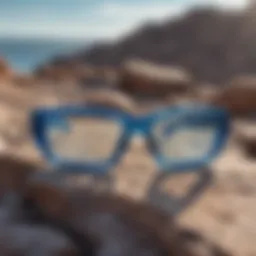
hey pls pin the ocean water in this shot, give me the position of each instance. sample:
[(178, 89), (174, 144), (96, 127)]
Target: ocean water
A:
[(24, 55)]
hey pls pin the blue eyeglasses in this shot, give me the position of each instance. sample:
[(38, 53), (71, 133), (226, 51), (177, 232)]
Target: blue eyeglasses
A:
[(93, 138)]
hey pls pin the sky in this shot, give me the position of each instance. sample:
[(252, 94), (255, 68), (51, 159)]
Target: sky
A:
[(87, 19)]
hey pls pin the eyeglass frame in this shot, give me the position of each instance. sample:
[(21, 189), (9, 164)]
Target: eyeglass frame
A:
[(141, 124)]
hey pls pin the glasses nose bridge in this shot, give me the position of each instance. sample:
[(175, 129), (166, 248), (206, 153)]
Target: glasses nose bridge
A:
[(141, 125)]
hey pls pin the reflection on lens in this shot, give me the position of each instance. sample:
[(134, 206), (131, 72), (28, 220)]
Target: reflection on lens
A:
[(86, 139), (185, 143)]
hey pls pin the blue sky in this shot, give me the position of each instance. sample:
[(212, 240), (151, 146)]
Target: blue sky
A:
[(89, 18)]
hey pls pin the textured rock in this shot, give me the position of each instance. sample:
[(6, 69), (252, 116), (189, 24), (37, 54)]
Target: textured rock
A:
[(112, 99), (54, 73), (136, 227), (239, 96), (24, 80), (147, 79), (246, 136), (5, 71)]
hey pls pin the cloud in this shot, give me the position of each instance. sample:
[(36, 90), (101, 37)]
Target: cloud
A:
[(156, 10), (227, 4), (139, 11), (108, 19), (123, 17), (71, 31)]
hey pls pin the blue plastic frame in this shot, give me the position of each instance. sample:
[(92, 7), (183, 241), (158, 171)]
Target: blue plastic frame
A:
[(187, 115)]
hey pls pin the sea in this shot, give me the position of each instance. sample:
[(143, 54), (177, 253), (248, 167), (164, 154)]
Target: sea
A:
[(25, 55)]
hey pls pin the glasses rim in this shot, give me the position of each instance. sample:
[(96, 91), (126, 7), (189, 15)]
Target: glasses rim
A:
[(41, 118)]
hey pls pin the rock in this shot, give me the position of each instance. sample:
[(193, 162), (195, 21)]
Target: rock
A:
[(85, 72), (24, 80), (239, 96), (200, 94), (54, 73), (206, 93), (60, 72), (105, 72), (119, 215), (143, 78), (112, 99), (84, 75), (14, 172), (245, 133), (5, 71), (99, 78)]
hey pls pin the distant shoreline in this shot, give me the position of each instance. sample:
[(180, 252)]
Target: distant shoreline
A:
[(24, 54)]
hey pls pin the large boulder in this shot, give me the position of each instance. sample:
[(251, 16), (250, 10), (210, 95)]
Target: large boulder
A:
[(239, 97), (143, 78)]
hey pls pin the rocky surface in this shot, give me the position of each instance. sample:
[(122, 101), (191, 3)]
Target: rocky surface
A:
[(225, 212)]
